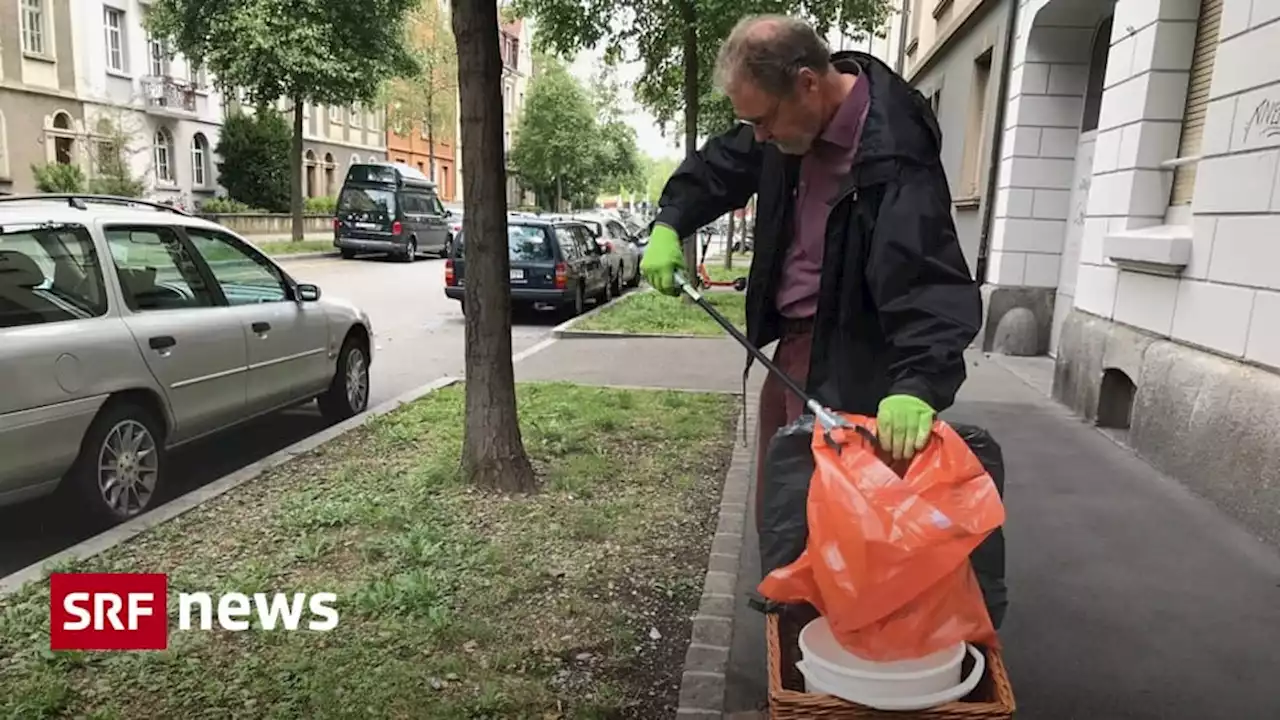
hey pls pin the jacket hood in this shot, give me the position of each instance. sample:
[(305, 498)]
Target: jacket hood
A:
[(900, 125)]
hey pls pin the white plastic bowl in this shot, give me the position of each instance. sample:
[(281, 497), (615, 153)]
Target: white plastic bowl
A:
[(828, 664), (922, 702)]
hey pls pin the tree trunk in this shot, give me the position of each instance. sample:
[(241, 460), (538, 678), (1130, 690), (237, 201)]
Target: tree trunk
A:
[(493, 454), (431, 152), (690, 17), (431, 137), (728, 243), (295, 202)]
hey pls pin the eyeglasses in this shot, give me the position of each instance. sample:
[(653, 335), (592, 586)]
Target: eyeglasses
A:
[(766, 120)]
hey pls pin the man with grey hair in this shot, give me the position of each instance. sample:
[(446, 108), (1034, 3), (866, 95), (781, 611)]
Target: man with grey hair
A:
[(857, 271)]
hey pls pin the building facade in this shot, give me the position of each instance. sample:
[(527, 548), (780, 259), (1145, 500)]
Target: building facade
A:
[(955, 55), (435, 159), (41, 118), (333, 139), (151, 115), (514, 44), (430, 150), (885, 44), (1135, 236)]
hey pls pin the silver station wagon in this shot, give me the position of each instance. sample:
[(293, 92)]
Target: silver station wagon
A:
[(128, 328)]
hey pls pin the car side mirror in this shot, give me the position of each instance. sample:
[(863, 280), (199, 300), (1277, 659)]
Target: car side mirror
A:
[(308, 292)]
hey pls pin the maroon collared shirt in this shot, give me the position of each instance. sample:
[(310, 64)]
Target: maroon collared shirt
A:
[(821, 170)]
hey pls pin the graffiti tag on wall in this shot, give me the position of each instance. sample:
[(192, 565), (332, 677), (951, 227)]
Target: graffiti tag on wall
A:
[(1265, 120)]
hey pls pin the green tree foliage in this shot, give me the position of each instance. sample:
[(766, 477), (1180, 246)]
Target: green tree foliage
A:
[(618, 163), (326, 52), (572, 143), (117, 141), (255, 159), (678, 40), (557, 143), (58, 178), (427, 99)]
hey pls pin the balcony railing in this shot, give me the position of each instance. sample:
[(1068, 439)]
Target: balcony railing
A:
[(169, 94)]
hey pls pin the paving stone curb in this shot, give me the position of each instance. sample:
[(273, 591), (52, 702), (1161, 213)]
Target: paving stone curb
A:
[(563, 330), (702, 685), (285, 259)]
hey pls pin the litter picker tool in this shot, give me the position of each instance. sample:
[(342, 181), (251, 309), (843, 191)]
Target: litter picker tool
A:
[(825, 416)]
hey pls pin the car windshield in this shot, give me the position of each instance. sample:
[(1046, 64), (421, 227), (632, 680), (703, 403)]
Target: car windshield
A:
[(48, 273), (370, 201), (526, 243)]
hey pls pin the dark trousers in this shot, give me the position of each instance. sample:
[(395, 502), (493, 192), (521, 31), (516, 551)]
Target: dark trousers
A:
[(779, 406)]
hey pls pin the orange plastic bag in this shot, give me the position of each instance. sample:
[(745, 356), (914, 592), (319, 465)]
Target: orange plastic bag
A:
[(886, 559)]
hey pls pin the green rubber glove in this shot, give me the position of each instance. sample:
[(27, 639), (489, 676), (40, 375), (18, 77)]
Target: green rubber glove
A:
[(903, 424), (661, 259)]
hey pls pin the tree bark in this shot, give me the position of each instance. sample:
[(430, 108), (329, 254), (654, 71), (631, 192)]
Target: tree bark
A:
[(429, 120), (689, 14), (295, 202), (493, 454)]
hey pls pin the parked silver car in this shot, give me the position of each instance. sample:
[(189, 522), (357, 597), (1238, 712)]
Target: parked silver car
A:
[(129, 328), (624, 255)]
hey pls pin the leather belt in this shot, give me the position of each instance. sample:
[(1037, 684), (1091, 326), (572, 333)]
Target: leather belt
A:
[(797, 326)]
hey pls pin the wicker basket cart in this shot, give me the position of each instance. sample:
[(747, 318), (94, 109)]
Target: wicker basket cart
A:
[(991, 700)]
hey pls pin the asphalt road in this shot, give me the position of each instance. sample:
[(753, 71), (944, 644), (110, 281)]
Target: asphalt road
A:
[(419, 337)]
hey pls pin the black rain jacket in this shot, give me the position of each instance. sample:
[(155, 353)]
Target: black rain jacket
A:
[(897, 305)]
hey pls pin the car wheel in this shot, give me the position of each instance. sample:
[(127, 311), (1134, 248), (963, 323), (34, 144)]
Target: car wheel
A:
[(348, 254), (579, 303), (348, 393), (121, 463), (615, 287), (410, 252)]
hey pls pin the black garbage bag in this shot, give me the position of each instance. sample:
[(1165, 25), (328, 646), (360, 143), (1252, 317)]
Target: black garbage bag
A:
[(783, 519)]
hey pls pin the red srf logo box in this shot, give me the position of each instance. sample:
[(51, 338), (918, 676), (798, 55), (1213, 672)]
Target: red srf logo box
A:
[(108, 611)]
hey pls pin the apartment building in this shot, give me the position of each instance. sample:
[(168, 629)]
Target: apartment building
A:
[(146, 108), (1133, 230), (41, 118), (431, 149), (334, 138), (954, 54), (515, 43)]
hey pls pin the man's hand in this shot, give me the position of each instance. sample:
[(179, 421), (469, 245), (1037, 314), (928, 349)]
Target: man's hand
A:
[(662, 258), (903, 425)]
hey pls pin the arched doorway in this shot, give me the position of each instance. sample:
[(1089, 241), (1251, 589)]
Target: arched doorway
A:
[(311, 173), (1081, 181), (64, 144)]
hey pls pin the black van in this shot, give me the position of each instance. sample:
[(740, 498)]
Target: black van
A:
[(555, 265), (393, 209)]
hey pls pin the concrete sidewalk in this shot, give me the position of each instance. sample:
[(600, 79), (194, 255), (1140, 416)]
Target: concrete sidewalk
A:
[(1130, 597)]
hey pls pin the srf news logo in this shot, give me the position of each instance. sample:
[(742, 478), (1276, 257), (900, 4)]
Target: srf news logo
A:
[(129, 611)]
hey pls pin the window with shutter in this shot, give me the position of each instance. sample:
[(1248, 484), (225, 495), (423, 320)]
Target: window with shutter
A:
[(1184, 176)]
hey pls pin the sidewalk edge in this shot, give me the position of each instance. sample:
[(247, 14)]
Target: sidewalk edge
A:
[(114, 536), (559, 330), (703, 682), (290, 257), (619, 335)]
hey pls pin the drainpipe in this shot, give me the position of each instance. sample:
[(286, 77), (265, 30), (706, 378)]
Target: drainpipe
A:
[(1002, 102), (900, 64)]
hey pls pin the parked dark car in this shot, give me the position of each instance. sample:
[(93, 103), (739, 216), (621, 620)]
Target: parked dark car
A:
[(393, 209), (555, 265)]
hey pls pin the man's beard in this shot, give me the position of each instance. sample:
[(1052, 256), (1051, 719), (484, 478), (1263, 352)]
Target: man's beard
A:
[(796, 147)]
